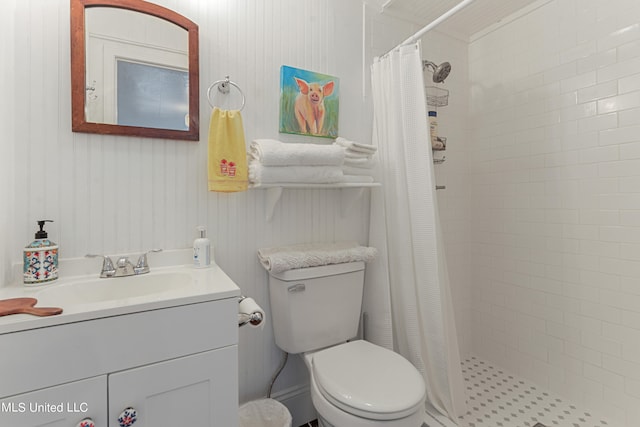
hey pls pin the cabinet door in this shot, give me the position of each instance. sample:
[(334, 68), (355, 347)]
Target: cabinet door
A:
[(199, 390), (61, 406)]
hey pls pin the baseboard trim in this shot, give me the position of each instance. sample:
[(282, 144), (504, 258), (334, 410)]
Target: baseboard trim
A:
[(290, 392), (298, 400)]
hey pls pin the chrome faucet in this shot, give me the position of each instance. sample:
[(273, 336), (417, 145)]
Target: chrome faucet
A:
[(123, 267)]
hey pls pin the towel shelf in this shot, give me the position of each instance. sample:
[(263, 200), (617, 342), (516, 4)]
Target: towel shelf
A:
[(349, 193)]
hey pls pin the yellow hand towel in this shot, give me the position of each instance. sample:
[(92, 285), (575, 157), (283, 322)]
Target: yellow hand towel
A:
[(227, 152)]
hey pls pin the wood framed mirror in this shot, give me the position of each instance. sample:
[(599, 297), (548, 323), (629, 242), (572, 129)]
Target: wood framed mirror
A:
[(134, 70)]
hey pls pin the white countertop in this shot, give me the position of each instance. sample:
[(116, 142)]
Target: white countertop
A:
[(206, 284)]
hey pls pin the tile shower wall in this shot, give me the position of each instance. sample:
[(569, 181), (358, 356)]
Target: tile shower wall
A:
[(555, 173), (121, 194), (453, 174)]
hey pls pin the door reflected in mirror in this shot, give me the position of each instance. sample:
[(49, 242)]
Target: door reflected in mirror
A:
[(134, 70), (136, 74)]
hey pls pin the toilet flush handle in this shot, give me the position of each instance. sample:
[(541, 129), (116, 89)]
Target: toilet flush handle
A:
[(298, 287)]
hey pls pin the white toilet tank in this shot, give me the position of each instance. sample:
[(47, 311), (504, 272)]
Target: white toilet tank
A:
[(316, 307)]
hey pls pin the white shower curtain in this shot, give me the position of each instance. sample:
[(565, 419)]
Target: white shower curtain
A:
[(423, 323)]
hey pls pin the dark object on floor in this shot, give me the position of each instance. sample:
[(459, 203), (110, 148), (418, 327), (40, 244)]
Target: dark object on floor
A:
[(539, 425)]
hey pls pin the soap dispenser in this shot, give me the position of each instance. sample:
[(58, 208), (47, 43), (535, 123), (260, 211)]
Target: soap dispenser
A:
[(40, 259)]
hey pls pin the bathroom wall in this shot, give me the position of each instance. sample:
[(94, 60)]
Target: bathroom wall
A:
[(540, 213), (125, 195), (555, 178), (7, 27)]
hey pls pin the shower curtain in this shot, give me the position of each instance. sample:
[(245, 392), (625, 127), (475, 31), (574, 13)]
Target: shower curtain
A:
[(423, 326)]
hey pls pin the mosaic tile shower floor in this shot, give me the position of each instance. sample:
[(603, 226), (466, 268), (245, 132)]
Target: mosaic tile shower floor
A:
[(496, 398)]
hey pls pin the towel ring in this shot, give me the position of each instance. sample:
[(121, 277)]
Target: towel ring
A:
[(223, 88)]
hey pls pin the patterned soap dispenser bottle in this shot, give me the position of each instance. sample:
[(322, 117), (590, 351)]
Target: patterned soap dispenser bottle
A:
[(40, 259)]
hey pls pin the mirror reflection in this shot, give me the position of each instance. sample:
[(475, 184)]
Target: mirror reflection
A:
[(134, 70), (137, 72)]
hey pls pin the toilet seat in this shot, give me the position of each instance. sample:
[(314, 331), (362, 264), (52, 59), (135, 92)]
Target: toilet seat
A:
[(368, 381)]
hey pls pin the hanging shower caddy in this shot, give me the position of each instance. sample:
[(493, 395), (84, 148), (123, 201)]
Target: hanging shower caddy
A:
[(436, 97)]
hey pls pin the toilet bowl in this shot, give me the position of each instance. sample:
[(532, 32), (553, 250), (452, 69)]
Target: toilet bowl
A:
[(359, 384), (354, 383)]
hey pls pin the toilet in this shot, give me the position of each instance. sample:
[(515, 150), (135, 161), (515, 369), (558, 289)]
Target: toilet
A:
[(315, 312)]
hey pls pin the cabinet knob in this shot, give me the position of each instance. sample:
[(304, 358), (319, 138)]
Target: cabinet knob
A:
[(87, 422), (128, 417)]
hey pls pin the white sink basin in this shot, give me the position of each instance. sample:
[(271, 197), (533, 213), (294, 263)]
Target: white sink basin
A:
[(93, 291), (88, 297)]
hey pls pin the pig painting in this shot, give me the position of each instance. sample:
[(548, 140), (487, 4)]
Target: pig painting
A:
[(309, 103), (309, 106)]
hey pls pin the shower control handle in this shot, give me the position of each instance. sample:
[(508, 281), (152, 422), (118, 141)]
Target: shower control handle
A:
[(298, 287)]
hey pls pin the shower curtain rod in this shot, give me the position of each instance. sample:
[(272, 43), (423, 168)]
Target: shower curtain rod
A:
[(457, 8)]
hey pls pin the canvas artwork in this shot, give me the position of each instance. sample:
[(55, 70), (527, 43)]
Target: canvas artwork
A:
[(308, 103)]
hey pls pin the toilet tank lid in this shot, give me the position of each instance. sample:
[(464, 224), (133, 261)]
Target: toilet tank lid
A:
[(320, 271)]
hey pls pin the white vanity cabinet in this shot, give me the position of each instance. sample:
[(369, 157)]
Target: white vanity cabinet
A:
[(190, 391), (60, 406), (176, 366)]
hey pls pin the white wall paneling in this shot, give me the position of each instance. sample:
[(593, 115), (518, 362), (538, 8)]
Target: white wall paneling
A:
[(7, 127), (122, 194)]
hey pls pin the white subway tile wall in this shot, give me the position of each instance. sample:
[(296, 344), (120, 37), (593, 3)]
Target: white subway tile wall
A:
[(555, 212)]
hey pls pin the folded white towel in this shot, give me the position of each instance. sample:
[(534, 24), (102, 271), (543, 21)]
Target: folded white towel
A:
[(349, 154), (272, 152), (260, 174), (356, 146), (284, 258), (357, 178), (360, 163), (350, 170)]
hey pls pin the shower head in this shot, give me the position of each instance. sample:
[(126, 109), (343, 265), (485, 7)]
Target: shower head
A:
[(440, 72)]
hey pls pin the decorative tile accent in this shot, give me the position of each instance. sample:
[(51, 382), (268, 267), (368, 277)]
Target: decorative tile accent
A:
[(496, 398)]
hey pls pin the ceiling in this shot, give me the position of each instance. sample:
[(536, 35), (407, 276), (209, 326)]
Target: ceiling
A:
[(474, 18)]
